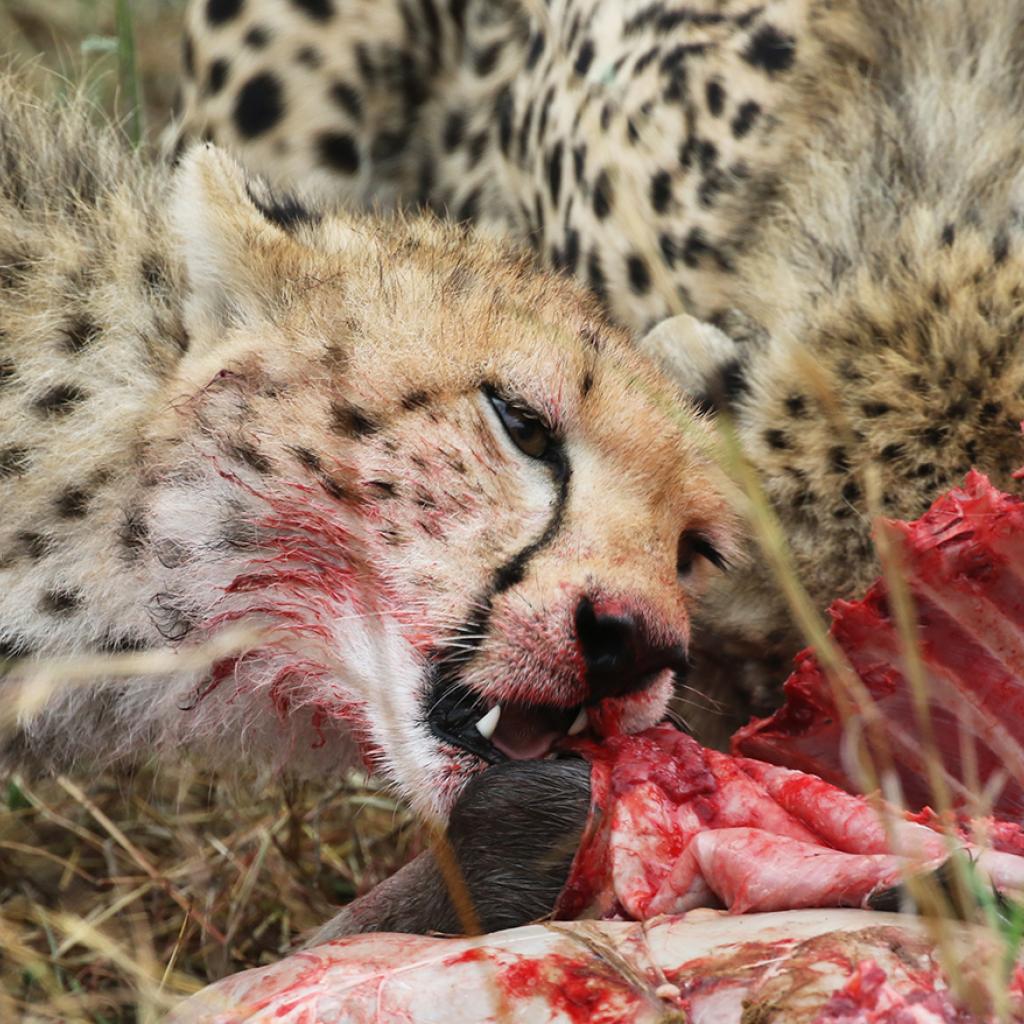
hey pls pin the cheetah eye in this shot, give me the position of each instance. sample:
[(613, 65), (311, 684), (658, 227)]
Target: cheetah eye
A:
[(693, 545), (525, 428)]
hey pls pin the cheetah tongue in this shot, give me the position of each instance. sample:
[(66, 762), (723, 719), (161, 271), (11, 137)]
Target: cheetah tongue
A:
[(526, 733)]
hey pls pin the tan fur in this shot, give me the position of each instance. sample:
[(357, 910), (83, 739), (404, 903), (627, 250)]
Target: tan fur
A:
[(219, 406)]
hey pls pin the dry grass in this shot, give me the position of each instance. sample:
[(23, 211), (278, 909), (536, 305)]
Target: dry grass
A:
[(121, 894)]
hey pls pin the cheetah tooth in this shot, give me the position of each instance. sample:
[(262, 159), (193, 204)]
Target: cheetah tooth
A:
[(579, 723), (489, 722)]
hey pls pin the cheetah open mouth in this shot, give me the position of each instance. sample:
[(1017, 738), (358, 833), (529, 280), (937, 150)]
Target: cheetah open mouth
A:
[(509, 730)]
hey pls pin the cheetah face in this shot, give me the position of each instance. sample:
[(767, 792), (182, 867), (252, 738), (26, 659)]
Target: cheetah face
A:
[(476, 518)]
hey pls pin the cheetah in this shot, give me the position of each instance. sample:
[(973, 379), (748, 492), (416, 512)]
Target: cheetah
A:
[(453, 512), (808, 210)]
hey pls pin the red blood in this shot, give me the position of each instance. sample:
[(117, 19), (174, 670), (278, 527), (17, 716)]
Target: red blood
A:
[(964, 564), (674, 827), (585, 993)]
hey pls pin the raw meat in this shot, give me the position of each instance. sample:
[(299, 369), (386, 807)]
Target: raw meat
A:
[(964, 562), (675, 826), (802, 967)]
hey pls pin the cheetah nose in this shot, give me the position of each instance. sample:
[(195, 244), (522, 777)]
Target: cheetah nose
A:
[(620, 655)]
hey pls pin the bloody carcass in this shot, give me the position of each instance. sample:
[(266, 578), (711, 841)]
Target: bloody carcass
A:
[(963, 562)]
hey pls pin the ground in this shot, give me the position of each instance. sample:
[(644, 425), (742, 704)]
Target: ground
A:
[(106, 882)]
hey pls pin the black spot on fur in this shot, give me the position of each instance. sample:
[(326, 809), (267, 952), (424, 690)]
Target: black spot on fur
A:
[(454, 131), (707, 154), (257, 37), (661, 191), (254, 459), (796, 406), (571, 252), (338, 151), (715, 95), (579, 162), (535, 51), (1000, 248), (80, 332), (415, 400), (333, 487), (35, 545), (348, 99), (60, 601), (728, 384), (555, 172), (310, 57), (838, 460), (503, 110), (487, 60), (6, 371), (892, 451), (875, 409), (588, 384), (851, 491), (694, 247), (285, 211), (770, 49), (645, 60), (948, 234), (12, 647), (219, 11), (72, 503), (935, 435), (585, 57), (350, 421), (989, 412), (603, 195), (746, 115), (133, 531), (217, 76), (318, 10), (308, 458), (59, 400), (259, 105), (776, 439), (639, 274), (673, 63)]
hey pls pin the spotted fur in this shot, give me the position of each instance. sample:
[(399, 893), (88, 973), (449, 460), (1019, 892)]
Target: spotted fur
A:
[(223, 406), (832, 188)]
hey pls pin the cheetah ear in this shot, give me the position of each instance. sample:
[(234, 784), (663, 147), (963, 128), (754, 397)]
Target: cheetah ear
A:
[(232, 248), (696, 355)]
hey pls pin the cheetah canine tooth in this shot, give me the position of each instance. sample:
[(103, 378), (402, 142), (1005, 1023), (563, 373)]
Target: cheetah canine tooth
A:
[(579, 723), (489, 722)]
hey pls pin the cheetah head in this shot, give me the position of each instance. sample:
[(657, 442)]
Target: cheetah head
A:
[(470, 518)]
